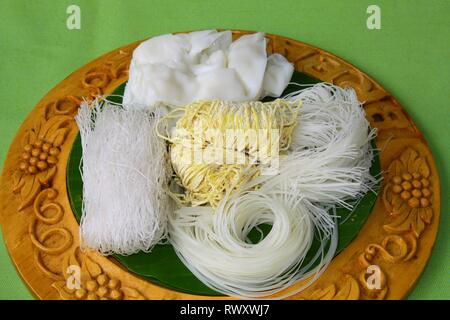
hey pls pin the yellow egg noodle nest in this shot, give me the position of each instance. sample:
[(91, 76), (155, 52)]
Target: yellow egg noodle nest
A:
[(218, 145)]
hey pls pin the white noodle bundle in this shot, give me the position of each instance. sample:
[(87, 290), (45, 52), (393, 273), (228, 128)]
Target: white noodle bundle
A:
[(215, 247), (328, 164), (125, 203)]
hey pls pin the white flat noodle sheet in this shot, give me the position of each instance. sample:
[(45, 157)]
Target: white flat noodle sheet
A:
[(277, 76), (176, 70), (248, 57)]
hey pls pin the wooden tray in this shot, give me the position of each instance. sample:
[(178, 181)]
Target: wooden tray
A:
[(42, 235)]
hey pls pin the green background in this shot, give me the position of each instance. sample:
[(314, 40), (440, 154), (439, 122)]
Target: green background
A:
[(409, 56)]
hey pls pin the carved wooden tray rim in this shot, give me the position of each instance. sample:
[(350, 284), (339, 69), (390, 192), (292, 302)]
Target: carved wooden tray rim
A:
[(38, 224)]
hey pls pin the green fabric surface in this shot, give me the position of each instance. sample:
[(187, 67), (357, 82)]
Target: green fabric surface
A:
[(409, 56)]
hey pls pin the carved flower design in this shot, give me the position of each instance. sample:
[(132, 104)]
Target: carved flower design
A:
[(97, 79), (407, 195), (38, 157), (349, 291), (39, 154), (95, 283)]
